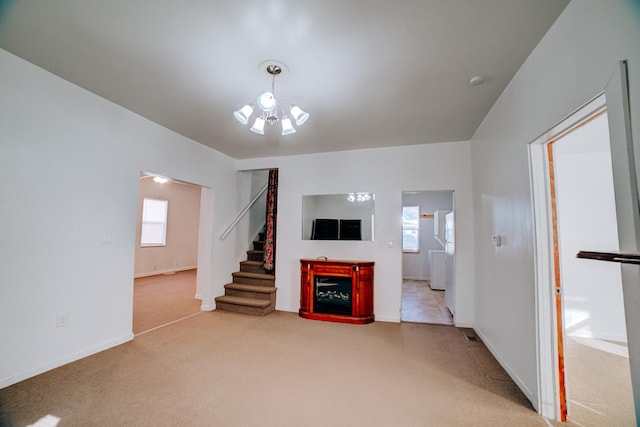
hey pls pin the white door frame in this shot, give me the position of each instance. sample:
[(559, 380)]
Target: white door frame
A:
[(549, 388)]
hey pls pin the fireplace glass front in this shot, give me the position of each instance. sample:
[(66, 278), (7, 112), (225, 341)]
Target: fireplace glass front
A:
[(332, 295)]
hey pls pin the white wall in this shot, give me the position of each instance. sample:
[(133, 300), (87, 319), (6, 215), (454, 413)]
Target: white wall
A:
[(571, 65), (69, 170), (417, 266), (387, 172), (183, 218), (249, 185)]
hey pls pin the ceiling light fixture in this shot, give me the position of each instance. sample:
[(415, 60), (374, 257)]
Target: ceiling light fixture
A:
[(160, 179), (271, 110), (476, 80)]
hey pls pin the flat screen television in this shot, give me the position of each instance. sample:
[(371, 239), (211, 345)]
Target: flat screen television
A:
[(350, 229), (325, 229)]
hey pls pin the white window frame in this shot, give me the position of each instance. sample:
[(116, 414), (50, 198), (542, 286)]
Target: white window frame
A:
[(154, 222), (410, 228)]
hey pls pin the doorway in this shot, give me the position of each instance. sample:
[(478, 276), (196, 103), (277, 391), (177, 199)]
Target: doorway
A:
[(566, 311), (595, 341), (427, 257), (166, 255)]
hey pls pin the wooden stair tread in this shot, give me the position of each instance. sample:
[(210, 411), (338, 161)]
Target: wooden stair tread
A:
[(249, 302), (253, 275), (249, 262), (251, 288)]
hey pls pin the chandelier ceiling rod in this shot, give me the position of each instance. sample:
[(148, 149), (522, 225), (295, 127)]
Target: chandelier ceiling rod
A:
[(274, 70)]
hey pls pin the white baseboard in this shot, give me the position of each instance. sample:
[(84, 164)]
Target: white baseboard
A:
[(208, 307), (393, 319), (533, 397), (599, 336), (13, 379), (168, 271)]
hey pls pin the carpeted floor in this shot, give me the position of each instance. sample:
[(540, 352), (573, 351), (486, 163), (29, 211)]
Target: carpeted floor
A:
[(599, 383), (226, 369), (161, 299)]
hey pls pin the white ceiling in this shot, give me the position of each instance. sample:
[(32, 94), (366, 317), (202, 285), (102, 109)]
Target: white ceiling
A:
[(372, 73)]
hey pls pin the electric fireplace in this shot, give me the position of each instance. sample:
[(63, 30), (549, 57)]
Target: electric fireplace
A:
[(336, 290), (332, 295)]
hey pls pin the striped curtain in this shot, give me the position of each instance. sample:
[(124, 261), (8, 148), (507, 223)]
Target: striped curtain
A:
[(270, 223)]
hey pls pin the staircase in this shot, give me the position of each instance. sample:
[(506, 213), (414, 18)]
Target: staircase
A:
[(253, 290)]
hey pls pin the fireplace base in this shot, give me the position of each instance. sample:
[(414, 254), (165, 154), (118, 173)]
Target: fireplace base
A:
[(337, 318)]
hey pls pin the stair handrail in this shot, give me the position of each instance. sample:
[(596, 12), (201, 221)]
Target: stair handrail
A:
[(243, 212)]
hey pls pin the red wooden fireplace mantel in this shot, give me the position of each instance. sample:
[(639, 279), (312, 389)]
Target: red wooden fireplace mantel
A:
[(336, 290)]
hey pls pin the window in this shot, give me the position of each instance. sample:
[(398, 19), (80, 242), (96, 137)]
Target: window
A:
[(410, 228), (154, 222)]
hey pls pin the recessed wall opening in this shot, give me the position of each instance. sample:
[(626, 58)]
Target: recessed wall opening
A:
[(428, 250), (166, 253)]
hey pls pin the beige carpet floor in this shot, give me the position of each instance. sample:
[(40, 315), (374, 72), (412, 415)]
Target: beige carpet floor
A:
[(161, 299), (598, 383), (226, 369)]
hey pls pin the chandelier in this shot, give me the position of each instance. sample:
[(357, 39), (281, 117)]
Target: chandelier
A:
[(269, 109), (358, 197)]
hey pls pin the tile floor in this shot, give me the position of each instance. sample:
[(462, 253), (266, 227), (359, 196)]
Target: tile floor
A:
[(421, 304)]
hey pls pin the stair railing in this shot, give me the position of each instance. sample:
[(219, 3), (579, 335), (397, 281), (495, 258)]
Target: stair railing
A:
[(253, 201)]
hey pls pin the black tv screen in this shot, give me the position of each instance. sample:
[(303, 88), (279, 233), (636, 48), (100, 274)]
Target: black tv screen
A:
[(350, 229), (325, 229)]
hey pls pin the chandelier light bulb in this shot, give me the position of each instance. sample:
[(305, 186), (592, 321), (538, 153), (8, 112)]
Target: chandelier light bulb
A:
[(287, 127), (258, 126), (298, 115), (243, 114)]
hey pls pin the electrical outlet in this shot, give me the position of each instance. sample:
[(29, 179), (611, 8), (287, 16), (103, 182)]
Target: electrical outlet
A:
[(62, 320)]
